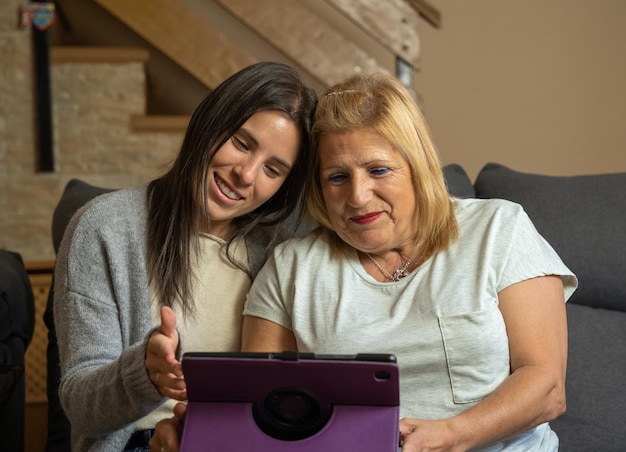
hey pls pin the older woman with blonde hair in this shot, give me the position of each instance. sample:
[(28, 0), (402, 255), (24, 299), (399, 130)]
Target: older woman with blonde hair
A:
[(465, 292)]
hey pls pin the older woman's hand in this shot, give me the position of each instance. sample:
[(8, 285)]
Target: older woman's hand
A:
[(422, 435), (168, 432), (164, 369)]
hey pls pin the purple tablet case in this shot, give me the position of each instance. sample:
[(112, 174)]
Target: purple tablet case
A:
[(291, 402)]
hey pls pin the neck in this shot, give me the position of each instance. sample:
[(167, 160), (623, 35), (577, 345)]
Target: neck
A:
[(222, 229)]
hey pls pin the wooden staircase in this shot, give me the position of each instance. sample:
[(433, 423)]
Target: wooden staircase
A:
[(326, 40), (120, 55), (329, 40)]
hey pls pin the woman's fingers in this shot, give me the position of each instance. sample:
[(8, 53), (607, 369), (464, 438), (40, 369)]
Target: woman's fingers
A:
[(166, 436), (168, 323), (164, 370)]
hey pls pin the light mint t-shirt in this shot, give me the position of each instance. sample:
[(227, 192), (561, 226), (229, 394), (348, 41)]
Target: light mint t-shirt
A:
[(442, 321)]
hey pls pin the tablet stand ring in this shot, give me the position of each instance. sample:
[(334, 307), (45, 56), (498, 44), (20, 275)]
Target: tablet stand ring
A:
[(291, 414)]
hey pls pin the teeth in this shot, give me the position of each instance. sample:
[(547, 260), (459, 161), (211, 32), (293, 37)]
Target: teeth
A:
[(232, 195)]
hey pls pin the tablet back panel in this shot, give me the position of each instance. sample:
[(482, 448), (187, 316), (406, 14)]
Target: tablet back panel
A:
[(291, 402)]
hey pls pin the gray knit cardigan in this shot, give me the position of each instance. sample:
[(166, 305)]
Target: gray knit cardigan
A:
[(103, 318)]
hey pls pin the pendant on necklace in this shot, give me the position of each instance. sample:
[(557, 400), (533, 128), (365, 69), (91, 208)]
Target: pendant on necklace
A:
[(400, 273)]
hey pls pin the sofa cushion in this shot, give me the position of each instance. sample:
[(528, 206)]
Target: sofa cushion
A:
[(594, 419), (582, 217), (458, 182), (76, 194)]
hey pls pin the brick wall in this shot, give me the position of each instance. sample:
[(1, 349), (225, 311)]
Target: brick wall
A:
[(93, 137)]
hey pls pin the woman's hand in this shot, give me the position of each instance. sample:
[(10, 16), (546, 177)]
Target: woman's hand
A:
[(168, 432), (164, 369), (419, 435)]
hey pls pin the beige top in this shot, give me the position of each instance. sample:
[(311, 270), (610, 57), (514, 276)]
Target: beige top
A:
[(220, 291)]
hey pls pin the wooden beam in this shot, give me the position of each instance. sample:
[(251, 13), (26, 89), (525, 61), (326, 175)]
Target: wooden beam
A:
[(392, 23), (91, 54), (427, 11), (178, 32), (303, 36)]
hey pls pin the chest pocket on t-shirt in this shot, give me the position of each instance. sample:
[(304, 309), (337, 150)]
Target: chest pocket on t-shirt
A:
[(477, 353)]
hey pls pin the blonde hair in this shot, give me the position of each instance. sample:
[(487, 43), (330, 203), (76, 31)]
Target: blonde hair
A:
[(381, 103)]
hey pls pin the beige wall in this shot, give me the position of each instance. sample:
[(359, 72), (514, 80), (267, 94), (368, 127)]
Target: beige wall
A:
[(537, 85)]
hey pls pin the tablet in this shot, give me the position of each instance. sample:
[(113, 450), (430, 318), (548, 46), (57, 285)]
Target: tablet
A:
[(291, 401)]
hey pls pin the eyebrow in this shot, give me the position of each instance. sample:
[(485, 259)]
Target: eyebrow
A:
[(252, 138), (334, 167)]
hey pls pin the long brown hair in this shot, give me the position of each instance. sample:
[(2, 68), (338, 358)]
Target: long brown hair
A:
[(176, 201)]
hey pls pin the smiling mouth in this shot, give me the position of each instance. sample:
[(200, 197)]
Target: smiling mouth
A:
[(227, 191), (365, 219)]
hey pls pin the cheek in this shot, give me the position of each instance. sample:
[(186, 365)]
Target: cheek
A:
[(333, 203), (268, 188), (225, 155)]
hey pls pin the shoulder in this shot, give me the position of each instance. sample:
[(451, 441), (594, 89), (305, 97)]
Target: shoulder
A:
[(485, 206), (127, 199), (496, 220), (473, 210), (123, 204), (299, 259), (111, 214), (308, 247)]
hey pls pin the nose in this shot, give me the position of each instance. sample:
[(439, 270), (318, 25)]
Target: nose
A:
[(359, 192), (246, 171)]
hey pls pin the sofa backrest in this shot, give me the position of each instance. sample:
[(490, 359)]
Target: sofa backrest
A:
[(458, 182), (582, 217), (76, 194)]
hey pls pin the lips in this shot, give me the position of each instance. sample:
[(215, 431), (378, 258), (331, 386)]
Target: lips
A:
[(226, 190), (367, 218)]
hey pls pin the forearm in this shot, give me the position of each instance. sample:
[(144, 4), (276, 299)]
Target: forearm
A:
[(531, 396), (534, 393), (100, 399), (104, 385)]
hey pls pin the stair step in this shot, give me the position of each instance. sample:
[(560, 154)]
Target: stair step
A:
[(88, 54)]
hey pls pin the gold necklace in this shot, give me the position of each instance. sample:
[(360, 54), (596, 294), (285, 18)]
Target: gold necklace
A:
[(400, 272)]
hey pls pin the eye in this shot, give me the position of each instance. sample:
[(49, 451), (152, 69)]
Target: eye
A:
[(336, 178), (272, 171), (239, 143), (379, 171)]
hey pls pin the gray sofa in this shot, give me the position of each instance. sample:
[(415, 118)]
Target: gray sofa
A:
[(584, 219)]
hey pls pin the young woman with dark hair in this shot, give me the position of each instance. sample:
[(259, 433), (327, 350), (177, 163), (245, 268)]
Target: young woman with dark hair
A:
[(185, 246)]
